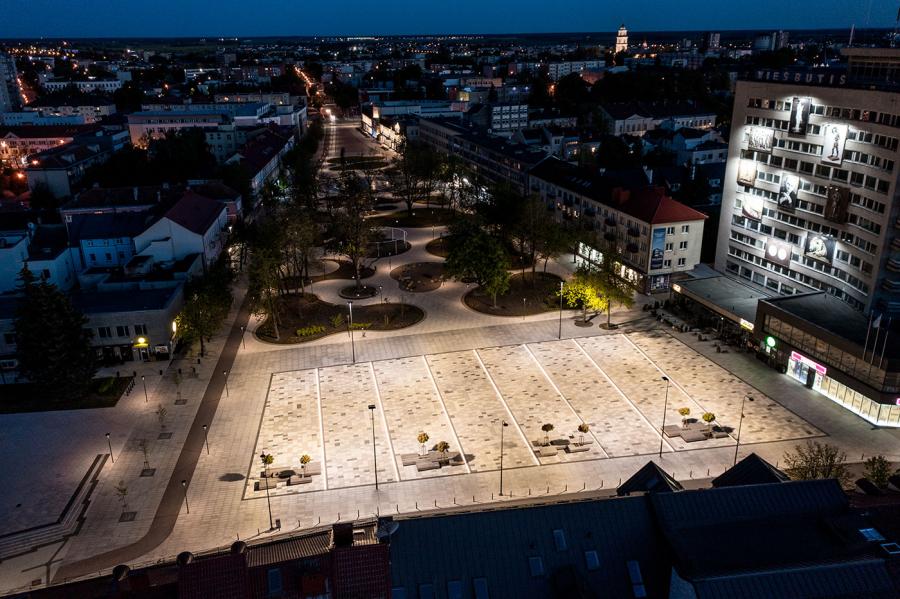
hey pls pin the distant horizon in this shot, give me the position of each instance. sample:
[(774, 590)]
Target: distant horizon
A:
[(178, 19), (612, 34)]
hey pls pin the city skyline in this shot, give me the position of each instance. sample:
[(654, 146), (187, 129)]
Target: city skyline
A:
[(196, 18)]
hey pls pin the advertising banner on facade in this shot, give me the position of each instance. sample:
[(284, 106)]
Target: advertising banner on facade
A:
[(837, 204), (787, 193), (834, 138), (819, 247), (760, 139), (778, 251), (746, 172), (799, 116), (657, 248), (752, 207)]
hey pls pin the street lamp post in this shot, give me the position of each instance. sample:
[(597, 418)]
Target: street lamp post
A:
[(662, 431), (503, 425), (740, 424), (523, 309), (112, 458), (144, 381), (225, 374), (560, 307), (374, 451), (206, 437), (350, 326), (266, 459), (243, 342), (186, 504)]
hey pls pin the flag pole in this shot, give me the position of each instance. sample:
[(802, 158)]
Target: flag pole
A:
[(884, 347)]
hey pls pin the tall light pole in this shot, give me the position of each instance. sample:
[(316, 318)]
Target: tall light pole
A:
[(662, 431), (266, 459), (243, 343), (144, 381), (503, 425), (225, 374), (112, 458), (350, 326), (186, 504), (561, 283), (206, 437), (374, 451), (740, 424)]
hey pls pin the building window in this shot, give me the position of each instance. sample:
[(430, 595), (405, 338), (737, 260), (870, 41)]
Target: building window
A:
[(670, 247), (104, 332), (121, 331), (140, 329), (536, 566), (667, 263), (682, 245), (685, 228), (591, 560), (682, 261), (670, 230), (274, 579)]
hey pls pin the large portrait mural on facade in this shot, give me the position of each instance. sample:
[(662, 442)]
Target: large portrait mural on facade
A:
[(760, 139), (746, 172), (752, 206), (838, 200), (834, 137), (787, 193), (799, 116), (820, 247)]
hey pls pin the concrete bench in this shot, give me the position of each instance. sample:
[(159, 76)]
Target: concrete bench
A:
[(410, 459), (296, 480), (572, 448), (577, 439), (423, 465), (672, 430), (690, 436), (547, 451), (273, 471), (263, 483)]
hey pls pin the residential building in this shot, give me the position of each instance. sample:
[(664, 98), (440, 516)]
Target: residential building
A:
[(91, 107), (10, 95), (194, 225), (558, 70), (486, 156), (497, 118), (60, 169), (262, 154), (636, 118), (147, 125), (85, 86), (18, 143), (657, 238)]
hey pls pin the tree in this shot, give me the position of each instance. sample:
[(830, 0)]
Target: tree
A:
[(613, 287), (350, 224), (475, 254), (304, 460), (122, 494), (815, 460), (583, 428), (547, 428), (583, 290), (442, 447), (52, 344), (708, 417), (422, 438), (264, 284), (206, 304), (161, 413), (405, 173), (685, 412), (878, 470)]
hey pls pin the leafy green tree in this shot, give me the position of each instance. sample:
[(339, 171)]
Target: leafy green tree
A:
[(475, 254), (878, 470), (350, 224), (207, 300), (264, 281), (583, 290), (613, 287), (52, 344)]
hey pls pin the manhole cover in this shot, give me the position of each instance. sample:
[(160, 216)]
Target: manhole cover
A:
[(148, 471), (180, 402), (164, 436), (127, 516)]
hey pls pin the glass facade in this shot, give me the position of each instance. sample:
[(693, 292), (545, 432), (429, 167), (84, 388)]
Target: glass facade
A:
[(805, 367)]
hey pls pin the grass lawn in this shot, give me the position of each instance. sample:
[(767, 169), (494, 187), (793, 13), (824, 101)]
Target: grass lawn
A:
[(420, 217), (306, 318), (105, 392), (540, 296)]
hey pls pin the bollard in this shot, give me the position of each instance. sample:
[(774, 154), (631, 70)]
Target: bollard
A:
[(454, 501), (357, 513), (707, 472), (602, 482), (529, 491), (435, 503), (417, 505), (691, 474), (492, 496), (320, 519), (548, 489), (473, 499), (567, 487), (339, 517), (583, 486), (398, 508), (620, 481)]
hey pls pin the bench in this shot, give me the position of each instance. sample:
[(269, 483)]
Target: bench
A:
[(425, 464), (672, 430), (296, 480), (572, 448), (410, 459), (547, 451), (691, 436), (264, 483), (273, 471), (586, 440)]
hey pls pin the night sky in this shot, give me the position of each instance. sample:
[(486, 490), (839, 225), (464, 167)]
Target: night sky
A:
[(152, 18)]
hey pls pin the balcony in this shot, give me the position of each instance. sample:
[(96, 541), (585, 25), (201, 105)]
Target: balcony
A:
[(634, 233), (609, 221), (896, 243), (609, 236), (891, 285), (893, 265), (631, 248)]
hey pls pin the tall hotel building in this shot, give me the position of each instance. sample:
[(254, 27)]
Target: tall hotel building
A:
[(811, 221)]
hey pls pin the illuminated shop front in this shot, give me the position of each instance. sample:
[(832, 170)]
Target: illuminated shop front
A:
[(589, 257)]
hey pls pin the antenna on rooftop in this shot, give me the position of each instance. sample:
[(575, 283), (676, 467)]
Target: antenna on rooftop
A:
[(852, 30)]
